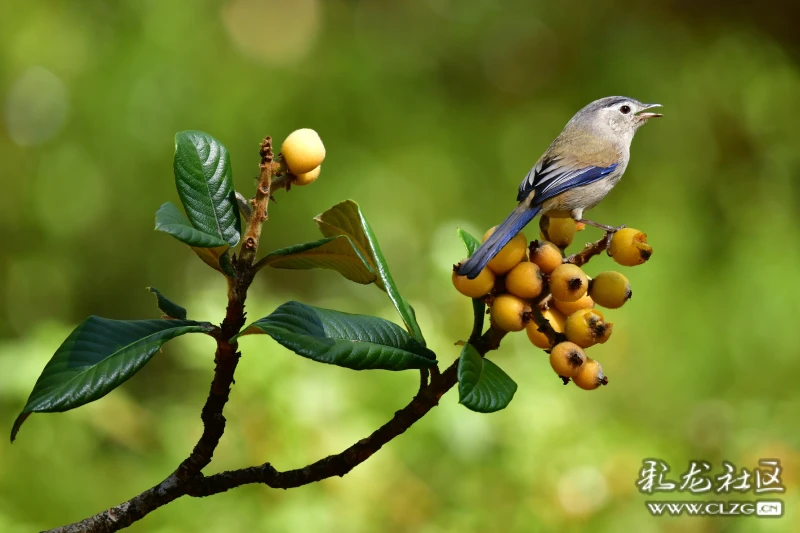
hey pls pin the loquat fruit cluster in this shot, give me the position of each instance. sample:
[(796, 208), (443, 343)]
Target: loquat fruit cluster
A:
[(536, 288), (303, 153)]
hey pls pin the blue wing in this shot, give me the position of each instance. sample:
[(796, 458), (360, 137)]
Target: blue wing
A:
[(552, 176)]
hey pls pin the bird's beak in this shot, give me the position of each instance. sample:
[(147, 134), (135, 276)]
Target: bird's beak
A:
[(645, 116)]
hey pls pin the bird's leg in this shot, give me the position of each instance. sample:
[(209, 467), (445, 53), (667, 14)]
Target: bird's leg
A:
[(607, 229), (610, 230)]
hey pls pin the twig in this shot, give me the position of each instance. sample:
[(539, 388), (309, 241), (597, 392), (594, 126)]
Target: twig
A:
[(271, 177), (226, 358), (590, 250), (260, 204), (545, 327), (535, 314)]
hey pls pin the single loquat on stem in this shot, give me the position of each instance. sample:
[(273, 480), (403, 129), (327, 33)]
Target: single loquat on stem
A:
[(507, 312), (567, 359), (525, 280), (587, 327), (303, 151), (568, 283), (610, 289), (628, 247), (474, 288), (546, 255), (590, 376)]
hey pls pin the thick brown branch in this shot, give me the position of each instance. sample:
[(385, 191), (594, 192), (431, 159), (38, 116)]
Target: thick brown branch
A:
[(226, 359), (343, 462), (334, 465), (129, 512)]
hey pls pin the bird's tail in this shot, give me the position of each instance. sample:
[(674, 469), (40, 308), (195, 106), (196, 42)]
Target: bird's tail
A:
[(518, 218)]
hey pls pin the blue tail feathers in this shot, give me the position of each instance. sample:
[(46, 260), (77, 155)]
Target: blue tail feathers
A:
[(517, 220)]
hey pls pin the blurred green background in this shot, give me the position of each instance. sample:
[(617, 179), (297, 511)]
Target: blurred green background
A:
[(432, 111)]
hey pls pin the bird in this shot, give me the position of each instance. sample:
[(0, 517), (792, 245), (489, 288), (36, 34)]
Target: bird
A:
[(574, 174)]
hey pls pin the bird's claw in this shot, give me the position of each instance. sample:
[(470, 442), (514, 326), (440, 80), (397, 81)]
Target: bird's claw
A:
[(607, 229)]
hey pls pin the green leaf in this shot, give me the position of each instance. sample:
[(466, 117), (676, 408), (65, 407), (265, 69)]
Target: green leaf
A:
[(217, 258), (482, 385), (212, 250), (334, 253), (204, 182), (347, 219), (168, 307), (97, 357), (353, 341), (170, 220), (470, 242)]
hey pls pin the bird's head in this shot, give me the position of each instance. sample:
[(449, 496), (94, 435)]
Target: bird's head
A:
[(615, 116)]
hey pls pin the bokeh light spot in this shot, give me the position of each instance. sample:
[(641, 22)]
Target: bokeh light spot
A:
[(36, 107), (273, 32), (582, 490)]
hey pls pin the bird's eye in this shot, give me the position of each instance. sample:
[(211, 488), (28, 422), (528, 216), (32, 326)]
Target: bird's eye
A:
[(625, 109)]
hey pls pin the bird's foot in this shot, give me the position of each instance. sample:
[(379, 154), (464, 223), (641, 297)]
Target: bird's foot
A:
[(607, 229)]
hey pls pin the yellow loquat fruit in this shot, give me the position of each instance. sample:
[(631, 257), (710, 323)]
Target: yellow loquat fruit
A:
[(546, 255), (506, 312), (584, 302), (587, 327), (568, 282), (309, 177), (303, 151), (629, 247), (510, 255), (590, 376), (474, 288), (567, 359), (559, 231), (525, 280), (610, 289)]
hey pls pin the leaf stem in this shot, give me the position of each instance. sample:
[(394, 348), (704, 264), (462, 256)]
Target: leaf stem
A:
[(479, 315)]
